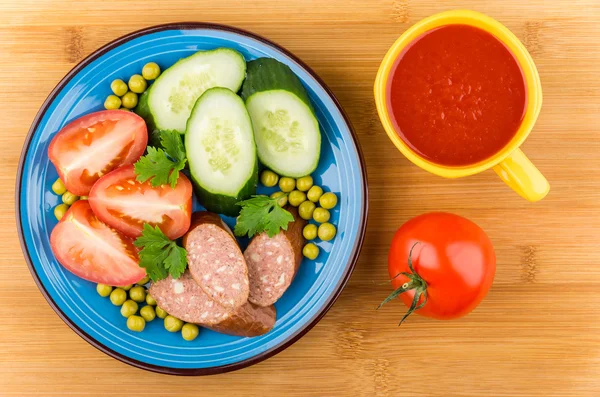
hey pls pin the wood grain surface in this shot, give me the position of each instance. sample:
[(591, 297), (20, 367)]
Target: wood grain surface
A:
[(536, 334)]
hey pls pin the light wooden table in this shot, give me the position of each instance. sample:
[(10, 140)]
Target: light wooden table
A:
[(536, 334)]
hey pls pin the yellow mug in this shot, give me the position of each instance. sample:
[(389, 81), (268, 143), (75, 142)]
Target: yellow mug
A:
[(510, 163)]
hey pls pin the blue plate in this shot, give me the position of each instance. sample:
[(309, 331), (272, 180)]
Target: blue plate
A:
[(317, 284)]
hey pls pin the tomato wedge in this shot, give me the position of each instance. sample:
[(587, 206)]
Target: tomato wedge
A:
[(96, 144), (126, 204), (94, 251)]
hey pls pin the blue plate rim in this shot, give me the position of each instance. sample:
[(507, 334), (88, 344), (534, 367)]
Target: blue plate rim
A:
[(189, 371)]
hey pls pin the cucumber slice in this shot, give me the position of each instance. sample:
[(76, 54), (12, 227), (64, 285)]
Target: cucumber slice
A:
[(221, 152), (286, 130), (172, 96)]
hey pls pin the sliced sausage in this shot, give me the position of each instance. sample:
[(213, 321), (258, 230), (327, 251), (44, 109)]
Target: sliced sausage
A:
[(184, 299), (273, 261), (248, 320), (216, 261)]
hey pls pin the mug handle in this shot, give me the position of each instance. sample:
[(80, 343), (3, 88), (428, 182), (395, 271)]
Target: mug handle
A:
[(522, 176)]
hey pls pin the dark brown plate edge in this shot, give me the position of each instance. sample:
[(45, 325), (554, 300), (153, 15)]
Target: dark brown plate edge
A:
[(189, 371)]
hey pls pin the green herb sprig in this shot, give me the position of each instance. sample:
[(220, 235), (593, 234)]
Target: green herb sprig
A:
[(262, 214), (160, 256), (162, 166)]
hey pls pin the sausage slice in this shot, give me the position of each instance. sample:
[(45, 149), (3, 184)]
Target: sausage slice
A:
[(273, 261), (248, 320), (216, 261), (184, 299)]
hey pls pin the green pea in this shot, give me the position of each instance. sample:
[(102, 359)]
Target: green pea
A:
[(287, 184), (310, 251), (129, 308), (69, 198), (130, 100), (60, 211), (150, 300), (124, 109), (321, 215), (148, 313), (136, 323), (83, 197), (104, 290), (304, 183), (138, 293), (306, 209), (328, 200), (173, 324), (118, 296), (160, 313), (58, 187), (189, 331), (151, 71), (127, 287), (326, 231), (118, 87), (283, 200), (296, 197), (314, 193), (269, 178), (143, 281), (310, 231), (112, 102), (137, 84)]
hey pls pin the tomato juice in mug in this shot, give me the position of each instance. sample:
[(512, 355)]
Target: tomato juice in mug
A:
[(457, 94)]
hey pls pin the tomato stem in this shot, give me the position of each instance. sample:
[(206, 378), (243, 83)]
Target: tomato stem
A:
[(415, 282)]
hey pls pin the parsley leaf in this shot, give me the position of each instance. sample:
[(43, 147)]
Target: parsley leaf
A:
[(162, 166), (176, 261), (150, 259), (171, 141), (262, 214), (159, 255)]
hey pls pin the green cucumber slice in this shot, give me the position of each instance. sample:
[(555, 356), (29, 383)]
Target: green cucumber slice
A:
[(287, 134), (221, 152), (172, 96)]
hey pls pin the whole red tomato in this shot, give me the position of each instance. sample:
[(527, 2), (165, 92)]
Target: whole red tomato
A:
[(453, 265)]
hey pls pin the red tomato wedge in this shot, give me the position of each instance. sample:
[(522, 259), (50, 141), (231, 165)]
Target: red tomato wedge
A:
[(96, 144), (94, 251), (126, 204)]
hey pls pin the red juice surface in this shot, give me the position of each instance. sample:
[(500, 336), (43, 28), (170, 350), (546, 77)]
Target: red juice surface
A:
[(457, 95)]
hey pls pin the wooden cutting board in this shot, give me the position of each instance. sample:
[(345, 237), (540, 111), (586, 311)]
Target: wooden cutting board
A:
[(536, 334)]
